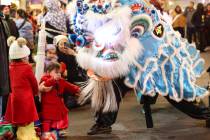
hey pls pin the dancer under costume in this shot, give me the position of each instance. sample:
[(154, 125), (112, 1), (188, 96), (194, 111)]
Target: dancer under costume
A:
[(104, 120), (137, 42)]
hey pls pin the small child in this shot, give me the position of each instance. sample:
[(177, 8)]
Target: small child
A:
[(21, 110), (54, 114), (51, 55)]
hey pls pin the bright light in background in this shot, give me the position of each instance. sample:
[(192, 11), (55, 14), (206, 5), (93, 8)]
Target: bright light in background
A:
[(170, 3), (5, 2), (203, 1)]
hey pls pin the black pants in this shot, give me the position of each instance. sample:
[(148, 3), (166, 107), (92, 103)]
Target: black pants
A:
[(188, 108), (200, 39), (4, 104), (180, 30), (208, 36), (109, 118), (190, 34), (191, 109)]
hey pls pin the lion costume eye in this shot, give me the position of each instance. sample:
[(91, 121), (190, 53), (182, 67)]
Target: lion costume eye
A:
[(137, 31), (140, 24)]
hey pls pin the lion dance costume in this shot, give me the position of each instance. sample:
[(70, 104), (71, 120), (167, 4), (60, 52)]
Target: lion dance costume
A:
[(135, 41)]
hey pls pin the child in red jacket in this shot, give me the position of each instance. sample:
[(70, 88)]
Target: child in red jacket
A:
[(21, 110), (54, 114)]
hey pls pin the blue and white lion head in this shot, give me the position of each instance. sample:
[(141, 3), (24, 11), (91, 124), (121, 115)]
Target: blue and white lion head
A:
[(135, 40)]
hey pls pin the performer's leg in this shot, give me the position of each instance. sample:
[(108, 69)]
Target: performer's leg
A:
[(191, 109), (148, 112), (151, 100), (147, 101), (104, 121)]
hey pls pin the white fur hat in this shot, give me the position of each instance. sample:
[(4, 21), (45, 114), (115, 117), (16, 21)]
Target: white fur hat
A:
[(18, 48), (58, 38)]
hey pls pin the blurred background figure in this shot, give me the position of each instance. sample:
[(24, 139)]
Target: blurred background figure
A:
[(198, 20), (13, 10), (40, 17), (32, 16), (9, 24), (25, 30), (207, 24), (188, 13), (55, 19), (157, 4), (179, 21), (4, 69)]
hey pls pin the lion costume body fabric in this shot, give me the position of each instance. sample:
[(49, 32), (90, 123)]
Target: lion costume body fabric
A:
[(134, 41)]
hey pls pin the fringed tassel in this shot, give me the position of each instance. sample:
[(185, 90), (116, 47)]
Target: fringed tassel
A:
[(102, 95), (87, 91)]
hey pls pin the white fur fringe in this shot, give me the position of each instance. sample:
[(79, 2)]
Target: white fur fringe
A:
[(102, 95)]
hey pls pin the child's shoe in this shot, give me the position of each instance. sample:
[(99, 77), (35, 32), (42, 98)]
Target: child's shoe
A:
[(63, 133), (49, 136)]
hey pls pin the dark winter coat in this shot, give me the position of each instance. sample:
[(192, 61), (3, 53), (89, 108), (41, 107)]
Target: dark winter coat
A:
[(4, 63), (198, 19), (12, 27), (207, 24), (74, 72)]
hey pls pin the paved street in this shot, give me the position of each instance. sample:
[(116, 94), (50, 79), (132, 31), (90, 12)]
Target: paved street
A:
[(170, 124)]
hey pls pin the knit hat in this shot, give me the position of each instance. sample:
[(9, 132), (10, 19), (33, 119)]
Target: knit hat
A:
[(18, 48), (58, 38), (50, 47)]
